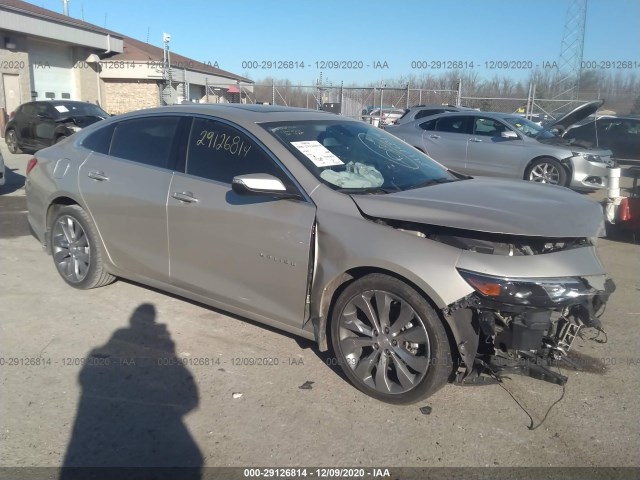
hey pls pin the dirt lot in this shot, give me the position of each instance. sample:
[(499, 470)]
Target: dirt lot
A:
[(104, 361)]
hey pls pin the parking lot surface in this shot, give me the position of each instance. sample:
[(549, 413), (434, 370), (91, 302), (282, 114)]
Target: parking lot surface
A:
[(91, 374)]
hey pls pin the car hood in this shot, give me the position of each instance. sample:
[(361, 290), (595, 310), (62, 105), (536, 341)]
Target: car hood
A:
[(575, 115), (494, 206)]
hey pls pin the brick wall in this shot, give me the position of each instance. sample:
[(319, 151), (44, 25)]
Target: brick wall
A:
[(122, 96)]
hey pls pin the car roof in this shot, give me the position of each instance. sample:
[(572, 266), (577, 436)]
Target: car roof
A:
[(474, 113), (239, 112)]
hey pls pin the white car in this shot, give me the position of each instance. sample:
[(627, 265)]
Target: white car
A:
[(388, 116), (2, 173)]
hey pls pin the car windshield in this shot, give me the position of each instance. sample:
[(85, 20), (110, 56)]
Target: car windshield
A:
[(80, 110), (354, 157), (529, 128)]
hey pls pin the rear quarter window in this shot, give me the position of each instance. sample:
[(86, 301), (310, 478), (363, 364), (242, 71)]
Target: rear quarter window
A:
[(100, 140)]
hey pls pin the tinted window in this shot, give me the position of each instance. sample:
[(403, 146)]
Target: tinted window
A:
[(488, 127), (453, 124), (28, 109), (145, 140), (100, 140), (426, 113), (430, 125), (220, 152), (44, 110)]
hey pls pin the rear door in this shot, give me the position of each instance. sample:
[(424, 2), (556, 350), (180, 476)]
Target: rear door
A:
[(24, 123), (124, 184), (445, 140), (248, 252), (43, 124)]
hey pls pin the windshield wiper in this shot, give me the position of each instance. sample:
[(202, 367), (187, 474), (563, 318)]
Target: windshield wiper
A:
[(370, 190)]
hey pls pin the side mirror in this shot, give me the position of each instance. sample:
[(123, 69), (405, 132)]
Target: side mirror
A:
[(261, 184), (509, 134)]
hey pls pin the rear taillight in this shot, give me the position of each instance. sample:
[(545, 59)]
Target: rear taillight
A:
[(32, 163), (11, 115)]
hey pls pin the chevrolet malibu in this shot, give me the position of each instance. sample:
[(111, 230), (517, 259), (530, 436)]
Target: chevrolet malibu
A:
[(507, 145), (330, 229)]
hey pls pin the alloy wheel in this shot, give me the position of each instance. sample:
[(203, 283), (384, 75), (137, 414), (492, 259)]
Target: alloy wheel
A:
[(12, 141), (384, 342), (545, 173), (71, 249)]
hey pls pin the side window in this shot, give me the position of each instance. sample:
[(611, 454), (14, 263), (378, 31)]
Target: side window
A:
[(454, 124), (100, 140), (145, 140), (488, 127), (428, 112), (28, 109), (430, 125), (220, 152), (45, 110)]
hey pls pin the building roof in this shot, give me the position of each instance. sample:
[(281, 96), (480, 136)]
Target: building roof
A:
[(134, 50), (19, 6), (137, 51)]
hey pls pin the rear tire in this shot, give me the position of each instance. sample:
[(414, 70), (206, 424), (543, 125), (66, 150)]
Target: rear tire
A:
[(73, 243), (12, 142), (389, 341)]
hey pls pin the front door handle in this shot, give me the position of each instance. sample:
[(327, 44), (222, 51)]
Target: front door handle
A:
[(186, 197), (477, 140), (96, 175), (434, 136)]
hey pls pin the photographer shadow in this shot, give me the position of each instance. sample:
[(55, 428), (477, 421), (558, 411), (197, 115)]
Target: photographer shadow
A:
[(129, 422)]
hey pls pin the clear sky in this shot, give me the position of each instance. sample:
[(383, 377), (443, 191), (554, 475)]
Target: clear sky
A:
[(374, 32)]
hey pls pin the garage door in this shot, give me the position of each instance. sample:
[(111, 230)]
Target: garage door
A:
[(51, 70)]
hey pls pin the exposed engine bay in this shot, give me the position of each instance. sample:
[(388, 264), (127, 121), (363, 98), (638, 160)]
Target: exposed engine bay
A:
[(516, 325)]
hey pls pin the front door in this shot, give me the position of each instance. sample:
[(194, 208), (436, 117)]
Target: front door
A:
[(248, 252), (488, 153)]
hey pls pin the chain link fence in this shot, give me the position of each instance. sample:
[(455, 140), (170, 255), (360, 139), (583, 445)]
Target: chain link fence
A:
[(358, 102)]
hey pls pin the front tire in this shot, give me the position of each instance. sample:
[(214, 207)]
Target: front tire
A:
[(547, 170), (75, 251), (389, 341)]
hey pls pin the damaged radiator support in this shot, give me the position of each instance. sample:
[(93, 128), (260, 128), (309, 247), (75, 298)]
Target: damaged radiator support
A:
[(522, 340)]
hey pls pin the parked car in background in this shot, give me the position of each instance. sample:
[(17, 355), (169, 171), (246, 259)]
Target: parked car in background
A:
[(620, 134), (387, 118), (507, 145), (37, 125), (420, 111), (324, 226), (2, 171)]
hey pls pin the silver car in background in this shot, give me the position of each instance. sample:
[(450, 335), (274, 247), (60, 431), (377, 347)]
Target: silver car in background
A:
[(330, 229), (508, 145)]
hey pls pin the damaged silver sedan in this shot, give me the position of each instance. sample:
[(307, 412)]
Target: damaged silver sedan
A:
[(331, 229)]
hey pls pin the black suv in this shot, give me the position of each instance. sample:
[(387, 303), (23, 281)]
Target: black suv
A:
[(37, 125)]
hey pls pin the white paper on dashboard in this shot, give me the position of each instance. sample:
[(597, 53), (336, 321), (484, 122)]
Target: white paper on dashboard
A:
[(317, 153)]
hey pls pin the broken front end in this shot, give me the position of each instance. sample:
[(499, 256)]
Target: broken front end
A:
[(532, 297)]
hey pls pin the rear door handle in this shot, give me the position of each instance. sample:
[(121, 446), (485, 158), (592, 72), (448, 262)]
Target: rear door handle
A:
[(477, 140), (96, 175), (434, 136), (186, 197)]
